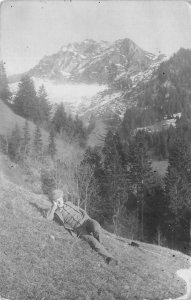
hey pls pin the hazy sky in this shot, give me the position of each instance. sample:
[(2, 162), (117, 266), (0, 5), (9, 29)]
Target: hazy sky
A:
[(31, 29)]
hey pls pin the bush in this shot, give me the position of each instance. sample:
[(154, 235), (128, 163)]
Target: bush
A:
[(48, 180)]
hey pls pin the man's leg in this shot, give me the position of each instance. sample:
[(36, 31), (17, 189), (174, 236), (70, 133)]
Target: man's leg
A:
[(91, 226), (99, 248)]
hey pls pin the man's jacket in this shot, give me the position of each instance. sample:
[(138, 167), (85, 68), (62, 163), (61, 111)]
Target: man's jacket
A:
[(71, 216)]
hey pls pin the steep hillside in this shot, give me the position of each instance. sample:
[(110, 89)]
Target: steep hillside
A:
[(8, 121), (40, 260), (165, 96)]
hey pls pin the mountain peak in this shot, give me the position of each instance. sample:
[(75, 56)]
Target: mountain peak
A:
[(125, 41), (89, 61), (90, 41)]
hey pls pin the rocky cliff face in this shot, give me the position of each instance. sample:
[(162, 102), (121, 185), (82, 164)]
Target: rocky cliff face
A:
[(95, 62)]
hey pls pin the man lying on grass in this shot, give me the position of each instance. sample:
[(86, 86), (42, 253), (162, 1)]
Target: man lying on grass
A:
[(76, 220)]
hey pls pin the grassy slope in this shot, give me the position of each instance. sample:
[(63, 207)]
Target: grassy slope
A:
[(40, 260), (8, 119)]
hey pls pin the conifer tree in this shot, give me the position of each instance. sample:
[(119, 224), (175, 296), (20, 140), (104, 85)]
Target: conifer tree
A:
[(155, 210), (37, 142), (26, 102), (79, 131), (59, 120), (115, 172), (4, 87), (44, 105), (70, 128), (25, 148), (14, 148), (163, 145), (140, 173), (178, 185), (52, 144)]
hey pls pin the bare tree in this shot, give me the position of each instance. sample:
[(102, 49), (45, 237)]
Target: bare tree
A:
[(86, 185)]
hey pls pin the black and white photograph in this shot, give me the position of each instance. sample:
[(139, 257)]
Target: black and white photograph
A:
[(95, 150)]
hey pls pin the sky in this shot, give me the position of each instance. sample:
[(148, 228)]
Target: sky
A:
[(31, 29)]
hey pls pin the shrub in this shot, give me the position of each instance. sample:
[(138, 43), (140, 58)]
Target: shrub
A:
[(48, 180)]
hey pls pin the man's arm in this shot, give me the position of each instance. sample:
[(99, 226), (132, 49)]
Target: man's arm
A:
[(50, 214)]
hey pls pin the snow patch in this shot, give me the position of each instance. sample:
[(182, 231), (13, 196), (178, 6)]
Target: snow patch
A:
[(66, 74), (185, 274), (151, 56), (159, 126), (178, 115), (104, 103)]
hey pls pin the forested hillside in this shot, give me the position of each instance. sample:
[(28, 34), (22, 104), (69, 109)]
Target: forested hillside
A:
[(167, 93)]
